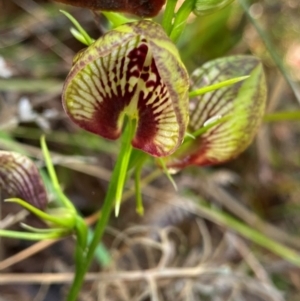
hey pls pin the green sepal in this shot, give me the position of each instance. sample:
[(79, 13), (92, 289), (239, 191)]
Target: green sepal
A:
[(33, 236), (167, 173), (66, 219), (181, 17), (79, 33), (64, 200), (40, 230), (123, 167), (217, 86), (168, 16)]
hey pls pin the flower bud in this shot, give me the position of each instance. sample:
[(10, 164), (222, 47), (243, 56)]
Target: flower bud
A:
[(20, 178), (141, 8)]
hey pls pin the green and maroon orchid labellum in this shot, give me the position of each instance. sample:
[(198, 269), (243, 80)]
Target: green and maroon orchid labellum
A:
[(241, 106), (141, 8), (20, 178), (133, 70)]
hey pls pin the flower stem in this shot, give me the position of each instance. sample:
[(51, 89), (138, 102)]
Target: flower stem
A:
[(282, 116), (180, 19), (168, 16), (82, 267)]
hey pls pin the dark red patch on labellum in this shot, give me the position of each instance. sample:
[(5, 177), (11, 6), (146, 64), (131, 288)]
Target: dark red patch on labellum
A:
[(148, 119), (141, 8)]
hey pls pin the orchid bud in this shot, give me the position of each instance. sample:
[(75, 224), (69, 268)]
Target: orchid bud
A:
[(206, 7), (20, 178), (141, 8), (239, 108), (133, 70)]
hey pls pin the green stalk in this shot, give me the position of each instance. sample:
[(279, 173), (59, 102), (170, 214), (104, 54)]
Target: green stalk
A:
[(282, 116), (66, 202), (138, 190), (168, 16), (123, 169), (109, 201), (32, 236), (180, 19), (102, 254)]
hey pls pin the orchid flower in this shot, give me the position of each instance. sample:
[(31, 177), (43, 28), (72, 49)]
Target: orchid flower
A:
[(132, 71), (223, 121)]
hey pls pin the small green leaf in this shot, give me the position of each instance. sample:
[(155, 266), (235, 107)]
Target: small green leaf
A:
[(41, 230), (217, 86), (80, 33), (57, 233), (167, 173), (63, 198), (62, 217)]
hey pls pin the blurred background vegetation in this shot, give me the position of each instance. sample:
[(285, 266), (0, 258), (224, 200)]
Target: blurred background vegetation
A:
[(188, 245)]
